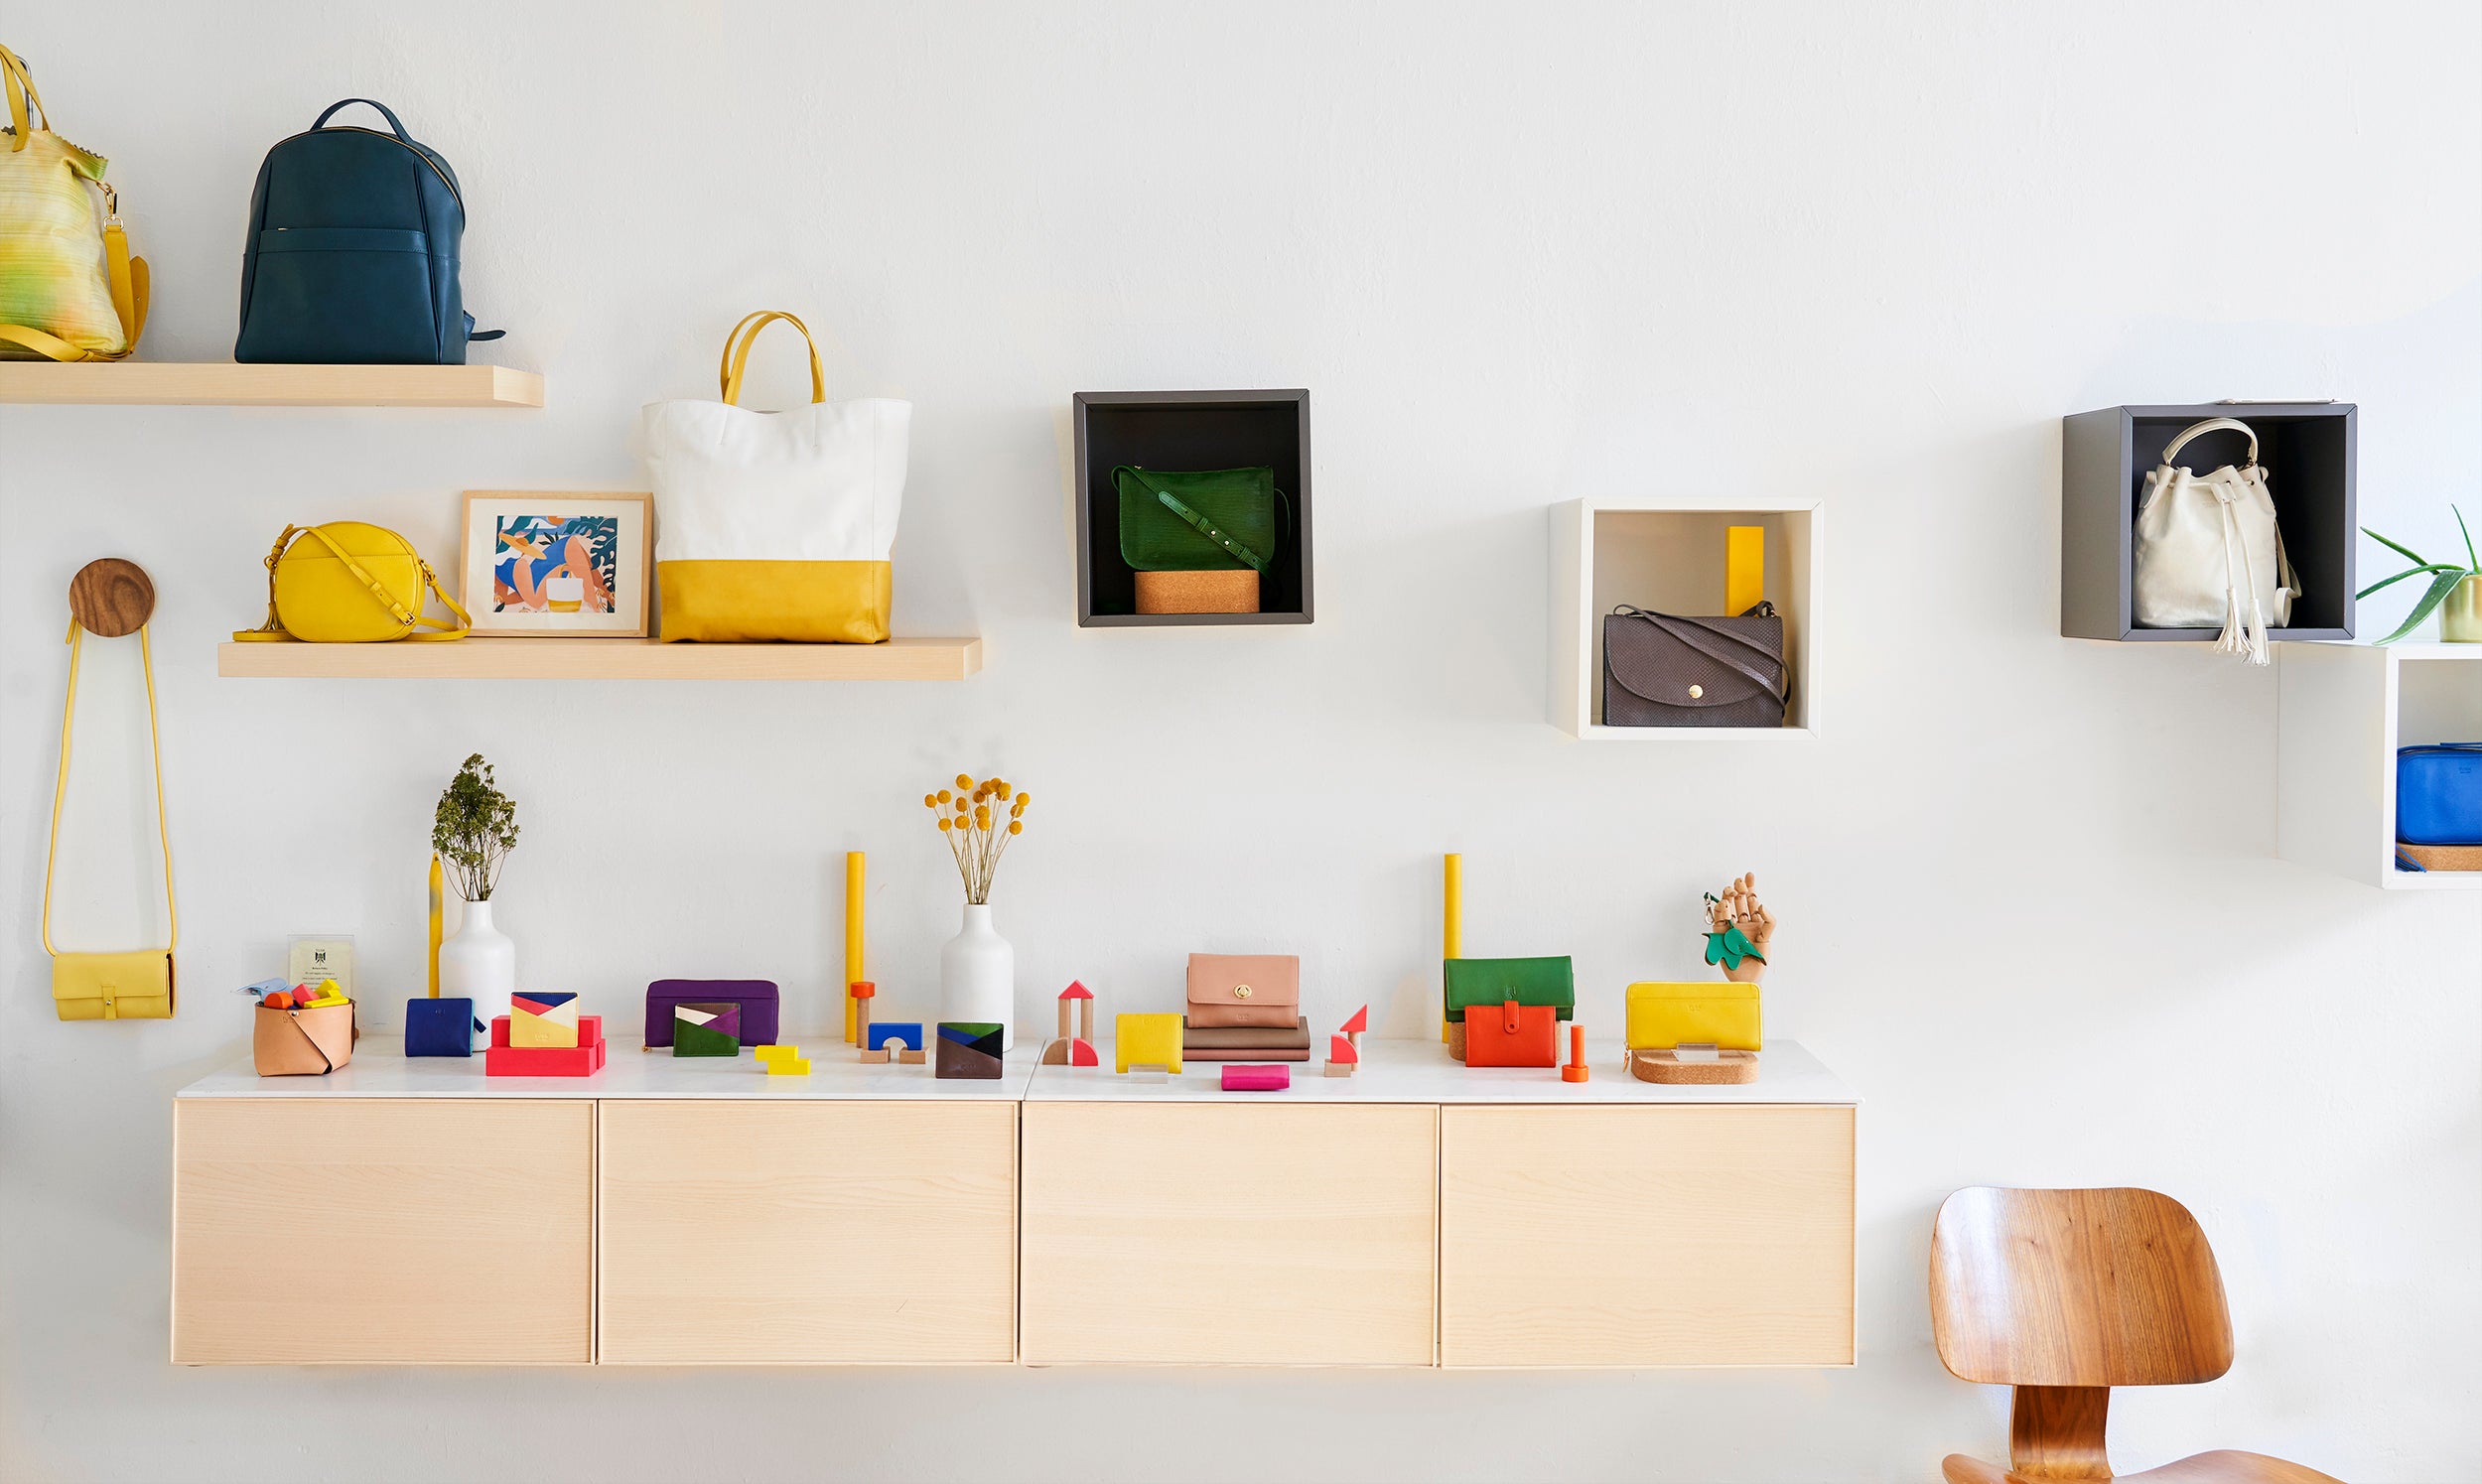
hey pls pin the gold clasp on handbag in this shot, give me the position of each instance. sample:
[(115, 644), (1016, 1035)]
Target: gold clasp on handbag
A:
[(1240, 992)]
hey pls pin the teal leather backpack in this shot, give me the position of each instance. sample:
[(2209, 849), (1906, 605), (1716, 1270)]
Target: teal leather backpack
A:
[(351, 255)]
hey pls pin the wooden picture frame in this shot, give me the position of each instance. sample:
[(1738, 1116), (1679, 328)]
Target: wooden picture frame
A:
[(611, 599)]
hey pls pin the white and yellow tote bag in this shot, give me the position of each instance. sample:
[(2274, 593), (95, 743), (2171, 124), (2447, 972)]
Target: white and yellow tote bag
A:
[(775, 525)]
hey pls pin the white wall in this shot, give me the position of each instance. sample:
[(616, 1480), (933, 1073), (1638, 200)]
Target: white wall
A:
[(1518, 254)]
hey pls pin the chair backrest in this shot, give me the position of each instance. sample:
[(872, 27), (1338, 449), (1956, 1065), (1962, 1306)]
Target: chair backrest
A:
[(2075, 1288)]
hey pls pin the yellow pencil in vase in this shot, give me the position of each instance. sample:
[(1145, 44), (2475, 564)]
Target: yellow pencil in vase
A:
[(435, 926)]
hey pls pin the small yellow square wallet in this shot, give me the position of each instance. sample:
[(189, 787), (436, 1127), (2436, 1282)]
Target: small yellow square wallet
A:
[(1722, 1013)]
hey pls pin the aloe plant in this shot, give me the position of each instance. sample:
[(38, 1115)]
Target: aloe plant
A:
[(2445, 575)]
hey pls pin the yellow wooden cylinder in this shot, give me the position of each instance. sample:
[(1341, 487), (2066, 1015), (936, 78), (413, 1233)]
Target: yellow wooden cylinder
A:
[(854, 874), (1451, 924), (1744, 568)]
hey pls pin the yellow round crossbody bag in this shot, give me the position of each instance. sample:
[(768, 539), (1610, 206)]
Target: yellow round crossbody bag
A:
[(347, 583)]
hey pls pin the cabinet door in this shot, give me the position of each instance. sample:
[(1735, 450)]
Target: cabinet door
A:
[(385, 1231), (1676, 1236), (1226, 1234), (748, 1233)]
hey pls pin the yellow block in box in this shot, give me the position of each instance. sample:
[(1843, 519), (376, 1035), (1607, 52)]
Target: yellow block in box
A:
[(1723, 1014), (742, 602), (1744, 568), (1233, 592)]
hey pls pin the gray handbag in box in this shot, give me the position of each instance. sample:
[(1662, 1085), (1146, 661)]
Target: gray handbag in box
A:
[(1663, 670)]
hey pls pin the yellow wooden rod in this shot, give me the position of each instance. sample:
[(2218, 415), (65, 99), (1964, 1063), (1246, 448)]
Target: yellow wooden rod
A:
[(435, 926), (1451, 925), (1744, 568), (852, 939)]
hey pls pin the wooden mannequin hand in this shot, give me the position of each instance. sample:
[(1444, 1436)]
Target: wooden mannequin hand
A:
[(1739, 907)]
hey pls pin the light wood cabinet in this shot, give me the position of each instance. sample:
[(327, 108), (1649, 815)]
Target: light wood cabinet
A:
[(868, 1233), (388, 1231), (1218, 1233), (1638, 1236)]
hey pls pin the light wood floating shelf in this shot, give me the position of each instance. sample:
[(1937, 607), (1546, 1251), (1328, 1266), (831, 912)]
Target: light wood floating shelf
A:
[(603, 659), (226, 384)]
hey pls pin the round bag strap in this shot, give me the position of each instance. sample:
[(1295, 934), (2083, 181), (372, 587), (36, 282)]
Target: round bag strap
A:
[(2213, 425), (384, 111), (23, 99), (737, 355)]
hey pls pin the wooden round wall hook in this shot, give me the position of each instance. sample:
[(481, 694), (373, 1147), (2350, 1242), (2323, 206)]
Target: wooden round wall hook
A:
[(110, 598)]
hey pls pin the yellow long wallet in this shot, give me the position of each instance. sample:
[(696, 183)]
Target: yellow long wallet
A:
[(136, 986), (1723, 1014)]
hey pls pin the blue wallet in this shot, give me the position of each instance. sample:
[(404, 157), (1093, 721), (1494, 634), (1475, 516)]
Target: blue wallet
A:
[(440, 1028), (2438, 794)]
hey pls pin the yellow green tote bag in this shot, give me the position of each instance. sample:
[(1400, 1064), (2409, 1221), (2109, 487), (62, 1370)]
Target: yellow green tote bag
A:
[(69, 288)]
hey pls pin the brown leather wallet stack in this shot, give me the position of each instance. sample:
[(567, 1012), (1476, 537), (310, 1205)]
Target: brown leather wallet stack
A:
[(1244, 1008)]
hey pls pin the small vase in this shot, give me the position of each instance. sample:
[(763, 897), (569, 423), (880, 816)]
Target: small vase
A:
[(479, 963), (978, 976), (2461, 616)]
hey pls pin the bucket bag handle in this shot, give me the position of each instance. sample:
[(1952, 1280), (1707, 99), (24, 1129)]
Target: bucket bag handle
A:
[(2214, 425)]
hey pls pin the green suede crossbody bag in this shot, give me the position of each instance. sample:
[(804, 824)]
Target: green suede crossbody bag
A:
[(1200, 520)]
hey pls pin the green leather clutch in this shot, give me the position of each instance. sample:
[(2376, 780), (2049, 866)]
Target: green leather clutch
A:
[(1198, 520), (1489, 982)]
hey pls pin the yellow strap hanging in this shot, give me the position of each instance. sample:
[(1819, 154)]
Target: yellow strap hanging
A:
[(60, 791), (737, 355)]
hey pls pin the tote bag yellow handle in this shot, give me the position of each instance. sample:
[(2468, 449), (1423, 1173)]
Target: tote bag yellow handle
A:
[(60, 791), (737, 355)]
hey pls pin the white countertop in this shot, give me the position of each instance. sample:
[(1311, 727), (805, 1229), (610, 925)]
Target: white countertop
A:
[(380, 1069), (1391, 1072), (1423, 1072)]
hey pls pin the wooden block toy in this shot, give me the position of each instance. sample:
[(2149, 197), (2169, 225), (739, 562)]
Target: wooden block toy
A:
[(713, 1030), (788, 1066), (969, 1049), (1344, 1048), (774, 1053), (1074, 1048), (859, 996), (542, 1020), (1575, 1069), (584, 1059), (1254, 1077), (1145, 1041), (900, 1040)]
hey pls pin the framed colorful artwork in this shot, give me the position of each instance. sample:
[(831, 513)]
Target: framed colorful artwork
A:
[(557, 562)]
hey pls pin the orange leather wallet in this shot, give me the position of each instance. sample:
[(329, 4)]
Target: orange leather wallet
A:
[(1513, 1035), (302, 1042), (1245, 988)]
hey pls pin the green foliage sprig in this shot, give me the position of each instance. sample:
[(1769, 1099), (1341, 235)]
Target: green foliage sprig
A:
[(2445, 575), (474, 829)]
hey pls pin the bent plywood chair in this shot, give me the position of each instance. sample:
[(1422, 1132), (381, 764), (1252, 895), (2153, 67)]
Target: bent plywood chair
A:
[(2064, 1294)]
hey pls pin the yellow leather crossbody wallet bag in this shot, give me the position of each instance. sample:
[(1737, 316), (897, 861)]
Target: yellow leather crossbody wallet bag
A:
[(349, 583)]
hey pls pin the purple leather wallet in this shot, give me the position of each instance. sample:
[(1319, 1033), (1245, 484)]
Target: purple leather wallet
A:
[(756, 997)]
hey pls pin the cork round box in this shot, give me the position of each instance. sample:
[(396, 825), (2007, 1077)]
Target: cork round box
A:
[(1234, 592)]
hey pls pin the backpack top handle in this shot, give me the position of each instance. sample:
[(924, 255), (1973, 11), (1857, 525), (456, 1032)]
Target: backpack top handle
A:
[(384, 110)]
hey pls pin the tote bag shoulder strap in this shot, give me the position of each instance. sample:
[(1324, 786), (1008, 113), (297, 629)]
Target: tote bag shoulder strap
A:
[(59, 790), (737, 355)]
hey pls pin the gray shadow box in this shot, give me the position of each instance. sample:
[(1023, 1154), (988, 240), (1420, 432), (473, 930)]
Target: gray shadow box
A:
[(2306, 449), (1185, 431)]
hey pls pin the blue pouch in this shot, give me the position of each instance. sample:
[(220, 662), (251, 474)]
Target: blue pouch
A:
[(2438, 794), (440, 1028)]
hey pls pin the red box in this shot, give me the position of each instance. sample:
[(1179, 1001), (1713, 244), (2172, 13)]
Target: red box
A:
[(581, 1061)]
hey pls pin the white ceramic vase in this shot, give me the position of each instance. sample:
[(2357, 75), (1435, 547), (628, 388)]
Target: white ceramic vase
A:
[(479, 963), (978, 976)]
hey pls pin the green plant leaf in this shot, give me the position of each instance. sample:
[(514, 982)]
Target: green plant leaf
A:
[(2408, 572), (2405, 551), (2472, 563), (2440, 586)]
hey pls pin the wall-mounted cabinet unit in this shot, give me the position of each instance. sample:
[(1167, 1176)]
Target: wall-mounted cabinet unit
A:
[(1667, 555), (2343, 711), (2306, 449), (226, 384), (1185, 431)]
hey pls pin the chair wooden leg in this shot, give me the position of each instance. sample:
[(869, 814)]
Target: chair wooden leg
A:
[(2055, 1434)]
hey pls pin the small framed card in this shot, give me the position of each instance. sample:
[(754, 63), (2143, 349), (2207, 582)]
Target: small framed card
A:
[(557, 562), (311, 958)]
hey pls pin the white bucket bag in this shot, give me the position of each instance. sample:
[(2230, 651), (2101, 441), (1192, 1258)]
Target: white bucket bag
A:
[(2209, 555)]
